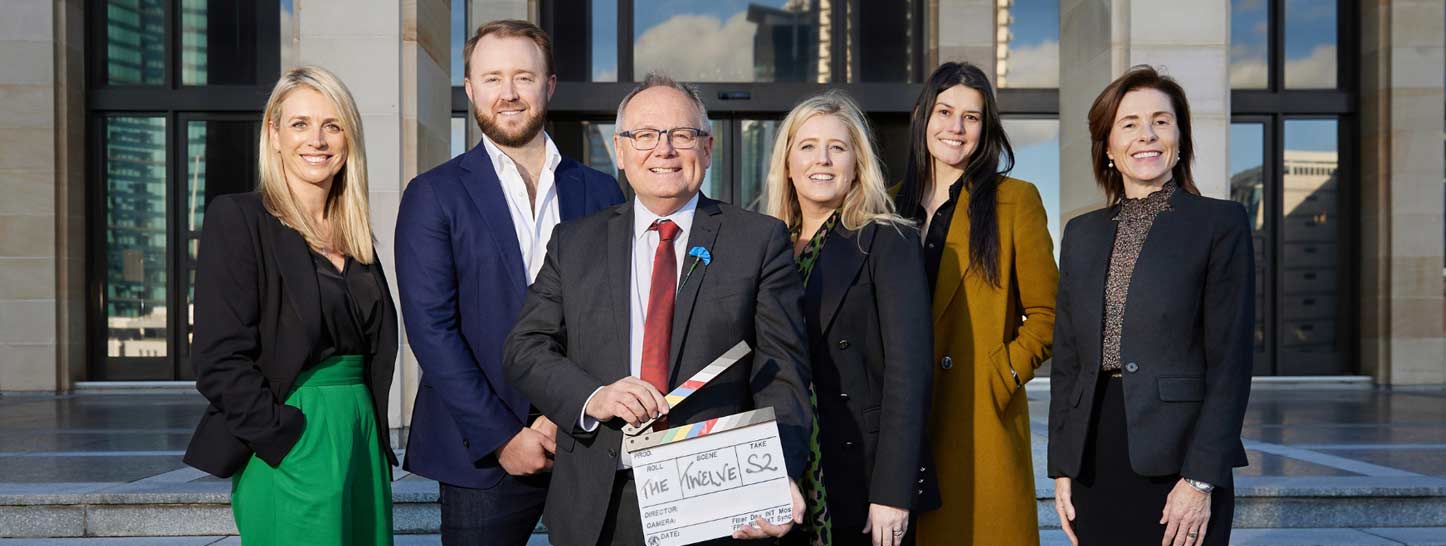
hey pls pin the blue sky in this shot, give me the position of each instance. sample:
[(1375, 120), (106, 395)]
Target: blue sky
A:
[(1035, 21)]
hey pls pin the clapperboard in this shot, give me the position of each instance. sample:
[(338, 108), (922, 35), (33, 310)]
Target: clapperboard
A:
[(705, 480)]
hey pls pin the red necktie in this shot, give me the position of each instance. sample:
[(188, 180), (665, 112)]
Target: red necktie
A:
[(658, 324)]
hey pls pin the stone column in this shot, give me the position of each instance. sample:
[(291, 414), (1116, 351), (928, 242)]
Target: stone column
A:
[(393, 57), (426, 136), (961, 30), (42, 287), (1401, 303), (1186, 39)]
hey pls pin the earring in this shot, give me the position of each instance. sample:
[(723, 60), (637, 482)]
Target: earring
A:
[(1112, 163)]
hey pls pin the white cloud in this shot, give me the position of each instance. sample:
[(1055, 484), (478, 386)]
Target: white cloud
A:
[(698, 48), (1316, 71), (1033, 66), (1028, 132), (1313, 72)]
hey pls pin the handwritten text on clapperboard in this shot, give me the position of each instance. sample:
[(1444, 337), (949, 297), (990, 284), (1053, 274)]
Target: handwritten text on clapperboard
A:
[(708, 486)]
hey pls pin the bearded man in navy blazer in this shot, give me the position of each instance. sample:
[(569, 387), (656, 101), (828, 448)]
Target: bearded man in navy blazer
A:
[(621, 313), (471, 235)]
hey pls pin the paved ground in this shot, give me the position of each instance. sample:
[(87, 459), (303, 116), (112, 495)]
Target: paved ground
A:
[(92, 441)]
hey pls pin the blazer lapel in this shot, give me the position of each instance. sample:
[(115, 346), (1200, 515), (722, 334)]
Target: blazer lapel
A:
[(299, 275), (620, 279), (571, 192), (706, 221), (956, 255), (838, 266), (485, 189), (1097, 268), (1167, 232)]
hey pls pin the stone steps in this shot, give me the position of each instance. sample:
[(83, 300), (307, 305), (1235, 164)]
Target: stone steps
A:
[(202, 508)]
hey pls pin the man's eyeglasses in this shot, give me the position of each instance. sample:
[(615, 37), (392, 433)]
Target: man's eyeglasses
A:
[(682, 138)]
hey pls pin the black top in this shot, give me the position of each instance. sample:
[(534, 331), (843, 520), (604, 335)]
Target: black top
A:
[(258, 324), (938, 231), (350, 305)]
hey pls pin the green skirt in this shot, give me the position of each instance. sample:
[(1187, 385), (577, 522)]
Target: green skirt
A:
[(334, 487)]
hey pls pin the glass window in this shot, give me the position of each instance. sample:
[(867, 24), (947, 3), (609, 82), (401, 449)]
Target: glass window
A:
[(604, 51), (135, 48), (135, 236), (598, 151), (1310, 44), (728, 40), (1247, 187), (1028, 44), (460, 33), (756, 154), (220, 159), (1249, 44), (1311, 260), (883, 43), (459, 135), (1036, 160), (219, 42)]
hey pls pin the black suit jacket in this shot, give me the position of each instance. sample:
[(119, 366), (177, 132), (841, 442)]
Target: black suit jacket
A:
[(871, 343), (1186, 344), (573, 338), (258, 324)]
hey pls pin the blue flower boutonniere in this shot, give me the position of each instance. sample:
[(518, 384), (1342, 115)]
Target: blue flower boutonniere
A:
[(699, 254)]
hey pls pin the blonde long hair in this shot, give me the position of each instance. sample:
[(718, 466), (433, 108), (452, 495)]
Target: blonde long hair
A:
[(346, 203), (867, 200)]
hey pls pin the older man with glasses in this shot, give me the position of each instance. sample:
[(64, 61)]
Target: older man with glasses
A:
[(612, 321)]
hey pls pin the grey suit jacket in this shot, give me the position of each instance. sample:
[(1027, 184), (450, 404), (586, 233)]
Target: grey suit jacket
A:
[(572, 338)]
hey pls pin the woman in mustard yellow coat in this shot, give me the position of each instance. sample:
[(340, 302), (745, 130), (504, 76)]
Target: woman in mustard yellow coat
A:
[(991, 267)]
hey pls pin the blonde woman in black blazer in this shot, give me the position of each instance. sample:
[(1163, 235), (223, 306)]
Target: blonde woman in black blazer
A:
[(866, 306), (1152, 343)]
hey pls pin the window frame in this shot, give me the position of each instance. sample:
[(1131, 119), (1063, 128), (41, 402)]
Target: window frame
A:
[(1273, 107), (177, 104)]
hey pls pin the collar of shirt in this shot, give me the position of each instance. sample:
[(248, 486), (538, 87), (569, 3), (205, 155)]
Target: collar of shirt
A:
[(644, 218), (501, 160)]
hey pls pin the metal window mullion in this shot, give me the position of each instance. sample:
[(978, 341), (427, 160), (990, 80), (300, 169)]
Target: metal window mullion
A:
[(625, 41)]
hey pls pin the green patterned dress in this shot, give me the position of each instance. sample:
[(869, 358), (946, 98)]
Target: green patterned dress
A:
[(816, 523)]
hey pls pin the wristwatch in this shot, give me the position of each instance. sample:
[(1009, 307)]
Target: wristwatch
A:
[(1200, 486)]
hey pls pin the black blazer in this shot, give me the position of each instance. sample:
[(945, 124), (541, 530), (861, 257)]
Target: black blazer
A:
[(258, 324), (1186, 344), (871, 343), (573, 337)]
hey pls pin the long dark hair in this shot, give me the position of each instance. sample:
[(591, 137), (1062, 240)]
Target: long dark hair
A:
[(987, 166)]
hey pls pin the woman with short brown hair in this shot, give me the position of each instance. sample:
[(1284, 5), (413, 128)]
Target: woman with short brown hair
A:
[(1152, 342)]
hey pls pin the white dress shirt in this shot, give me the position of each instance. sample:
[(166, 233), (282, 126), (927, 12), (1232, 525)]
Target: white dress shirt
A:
[(645, 247), (533, 220)]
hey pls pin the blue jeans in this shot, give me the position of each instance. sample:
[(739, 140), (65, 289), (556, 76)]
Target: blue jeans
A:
[(504, 515)]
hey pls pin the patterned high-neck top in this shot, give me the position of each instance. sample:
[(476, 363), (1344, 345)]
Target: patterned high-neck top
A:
[(1135, 216)]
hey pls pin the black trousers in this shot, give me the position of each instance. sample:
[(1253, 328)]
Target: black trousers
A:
[(1114, 505), (502, 515)]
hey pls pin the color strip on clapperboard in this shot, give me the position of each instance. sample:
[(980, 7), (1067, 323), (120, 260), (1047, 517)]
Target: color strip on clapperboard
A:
[(696, 382), (686, 432)]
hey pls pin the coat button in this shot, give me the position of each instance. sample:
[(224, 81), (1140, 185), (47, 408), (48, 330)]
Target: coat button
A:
[(465, 445), (1132, 367), (612, 452), (921, 481), (843, 344), (947, 363), (921, 469), (843, 396), (848, 444), (921, 491)]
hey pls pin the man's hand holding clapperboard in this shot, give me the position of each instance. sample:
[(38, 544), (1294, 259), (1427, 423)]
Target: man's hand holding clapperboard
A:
[(707, 480)]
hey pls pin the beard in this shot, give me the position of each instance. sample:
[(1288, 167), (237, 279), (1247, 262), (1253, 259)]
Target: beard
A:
[(515, 139)]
